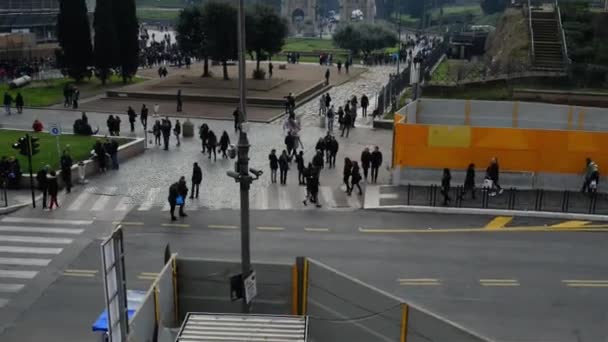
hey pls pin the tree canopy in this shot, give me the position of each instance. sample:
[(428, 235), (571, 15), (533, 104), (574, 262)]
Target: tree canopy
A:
[(74, 36), (125, 20), (364, 37), (190, 36), (220, 25), (105, 52), (493, 6), (266, 32)]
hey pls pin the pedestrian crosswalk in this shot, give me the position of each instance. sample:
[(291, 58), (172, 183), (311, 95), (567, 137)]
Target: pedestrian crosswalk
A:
[(273, 197), (28, 246)]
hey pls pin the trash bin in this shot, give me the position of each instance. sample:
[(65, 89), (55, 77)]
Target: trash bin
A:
[(188, 129)]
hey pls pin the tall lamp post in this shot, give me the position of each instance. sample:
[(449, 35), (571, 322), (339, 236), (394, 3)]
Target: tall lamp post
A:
[(241, 174)]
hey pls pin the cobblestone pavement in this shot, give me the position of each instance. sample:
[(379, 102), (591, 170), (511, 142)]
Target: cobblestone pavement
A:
[(368, 83), (142, 182)]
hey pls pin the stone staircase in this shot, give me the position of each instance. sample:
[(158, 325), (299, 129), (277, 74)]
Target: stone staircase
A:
[(548, 52)]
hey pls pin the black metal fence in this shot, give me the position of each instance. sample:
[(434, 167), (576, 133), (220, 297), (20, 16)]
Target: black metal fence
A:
[(510, 199)]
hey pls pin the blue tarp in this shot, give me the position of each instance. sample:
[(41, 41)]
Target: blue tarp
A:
[(134, 300)]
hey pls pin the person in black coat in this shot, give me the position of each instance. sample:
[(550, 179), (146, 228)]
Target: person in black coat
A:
[(53, 188), (364, 105), (143, 116), (156, 130), (165, 129), (347, 123), (43, 184), (320, 145), (66, 170), (132, 116), (317, 161), (348, 168), (290, 145), (179, 101), (173, 194), (212, 144), (182, 190), (376, 159), (366, 159), (203, 134), (355, 178), (284, 166), (469, 182), (445, 186), (493, 172), (237, 119), (274, 165), (19, 103), (100, 154), (333, 147), (177, 131), (224, 143), (300, 165), (197, 178)]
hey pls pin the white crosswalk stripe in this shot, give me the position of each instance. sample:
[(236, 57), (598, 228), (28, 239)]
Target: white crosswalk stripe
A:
[(28, 246), (80, 200), (103, 200), (150, 200)]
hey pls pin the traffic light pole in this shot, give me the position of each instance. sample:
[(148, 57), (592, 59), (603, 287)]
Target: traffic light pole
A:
[(29, 160)]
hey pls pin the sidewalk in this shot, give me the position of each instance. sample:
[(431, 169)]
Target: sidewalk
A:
[(396, 197)]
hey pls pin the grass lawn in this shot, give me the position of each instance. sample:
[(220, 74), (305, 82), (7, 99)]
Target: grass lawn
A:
[(482, 92), (459, 10), (150, 15), (79, 146), (160, 3), (46, 93), (310, 45)]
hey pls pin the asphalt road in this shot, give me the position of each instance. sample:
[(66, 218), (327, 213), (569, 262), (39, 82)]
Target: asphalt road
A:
[(530, 302)]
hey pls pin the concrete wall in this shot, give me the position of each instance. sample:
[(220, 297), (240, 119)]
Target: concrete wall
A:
[(204, 286)]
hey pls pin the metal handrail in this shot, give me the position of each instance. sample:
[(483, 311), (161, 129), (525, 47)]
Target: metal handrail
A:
[(563, 34), (531, 30)]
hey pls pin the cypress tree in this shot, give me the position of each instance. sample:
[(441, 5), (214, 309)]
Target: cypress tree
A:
[(106, 44), (74, 35), (127, 28)]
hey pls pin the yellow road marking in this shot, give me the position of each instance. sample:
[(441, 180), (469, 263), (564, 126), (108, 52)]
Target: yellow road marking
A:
[(319, 230), (177, 225), (419, 282), (271, 229), (598, 228), (498, 282), (406, 283), (146, 278), (214, 226), (586, 285), (128, 223), (83, 275), (571, 224), (81, 271), (586, 281), (149, 274), (418, 279), (498, 222)]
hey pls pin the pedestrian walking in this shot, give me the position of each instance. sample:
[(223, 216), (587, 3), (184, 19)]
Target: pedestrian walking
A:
[(132, 116), (347, 65), (143, 116), (197, 178), (177, 131), (300, 166), (353, 110), (327, 101), (110, 124), (322, 107), (284, 166), (492, 173), (346, 124), (339, 67), (182, 190), (333, 147), (53, 188), (318, 161), (327, 77), (100, 155), (212, 144), (376, 161), (469, 182), (364, 105), (8, 100), (355, 179), (592, 177), (66, 170), (166, 132), (156, 130), (366, 159), (174, 199), (19, 103), (445, 186), (156, 110), (237, 119), (290, 145), (111, 149), (224, 143), (67, 95), (348, 168), (179, 101), (75, 98), (330, 119), (340, 117), (203, 134), (43, 183), (270, 68), (321, 146), (274, 165)]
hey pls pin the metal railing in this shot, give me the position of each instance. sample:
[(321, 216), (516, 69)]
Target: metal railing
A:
[(510, 199), (531, 31), (562, 34)]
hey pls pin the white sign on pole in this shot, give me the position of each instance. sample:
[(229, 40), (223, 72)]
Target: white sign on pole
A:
[(55, 129), (251, 289)]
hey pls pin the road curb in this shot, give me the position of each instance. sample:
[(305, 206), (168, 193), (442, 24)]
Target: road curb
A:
[(12, 208), (489, 212)]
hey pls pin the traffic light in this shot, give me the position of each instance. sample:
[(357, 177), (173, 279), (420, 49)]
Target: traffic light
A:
[(35, 145), (23, 146)]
